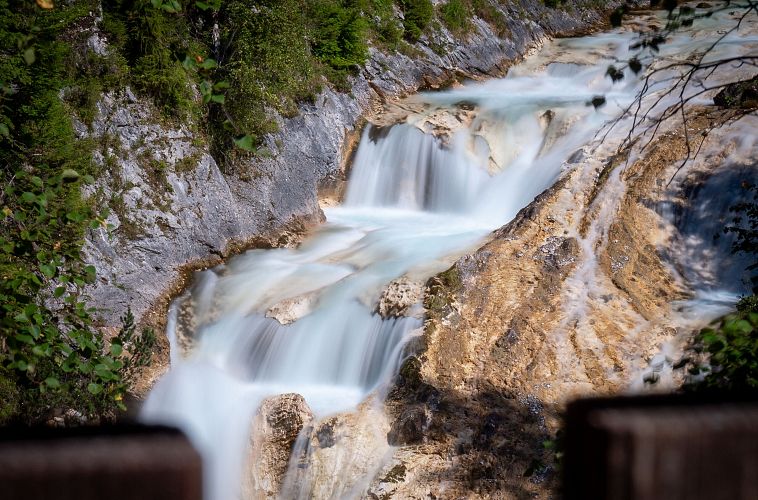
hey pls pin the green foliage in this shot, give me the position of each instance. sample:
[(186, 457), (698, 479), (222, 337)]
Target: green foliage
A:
[(50, 353), (270, 66), (133, 348), (732, 343), (390, 32), (417, 16), (154, 38), (554, 447), (456, 15), (339, 34), (487, 11), (50, 348), (386, 28)]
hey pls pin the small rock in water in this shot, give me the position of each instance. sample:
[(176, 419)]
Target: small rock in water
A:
[(399, 298), (290, 310), (651, 378), (597, 101), (576, 156)]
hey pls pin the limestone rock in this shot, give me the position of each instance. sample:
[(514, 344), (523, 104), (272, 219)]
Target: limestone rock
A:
[(409, 427), (399, 297), (578, 295), (275, 429), (340, 455), (291, 310)]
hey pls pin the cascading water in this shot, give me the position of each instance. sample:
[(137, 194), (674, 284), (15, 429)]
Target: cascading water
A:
[(303, 320)]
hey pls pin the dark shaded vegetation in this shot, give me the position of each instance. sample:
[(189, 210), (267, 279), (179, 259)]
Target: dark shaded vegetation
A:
[(744, 225), (730, 346)]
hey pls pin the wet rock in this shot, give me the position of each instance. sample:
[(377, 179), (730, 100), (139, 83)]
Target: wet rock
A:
[(546, 118), (576, 157), (68, 417), (742, 95), (275, 429), (325, 434), (400, 297), (339, 454), (558, 252), (598, 101), (410, 373), (387, 482), (290, 310)]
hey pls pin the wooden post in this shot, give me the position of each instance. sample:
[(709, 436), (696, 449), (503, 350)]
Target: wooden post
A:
[(661, 448), (99, 463)]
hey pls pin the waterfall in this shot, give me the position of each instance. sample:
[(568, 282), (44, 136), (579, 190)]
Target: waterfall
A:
[(304, 319), (406, 168)]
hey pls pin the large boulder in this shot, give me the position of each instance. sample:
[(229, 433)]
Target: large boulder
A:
[(275, 429)]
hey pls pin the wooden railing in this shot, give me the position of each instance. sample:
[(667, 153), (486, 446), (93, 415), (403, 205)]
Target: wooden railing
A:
[(661, 448)]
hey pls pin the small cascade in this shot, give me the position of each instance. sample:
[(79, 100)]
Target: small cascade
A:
[(305, 319), (406, 168)]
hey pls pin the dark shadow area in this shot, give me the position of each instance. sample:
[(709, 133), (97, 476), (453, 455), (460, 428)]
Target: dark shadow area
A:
[(702, 251), (493, 439)]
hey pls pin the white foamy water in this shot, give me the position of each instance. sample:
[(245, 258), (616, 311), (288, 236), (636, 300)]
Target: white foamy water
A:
[(414, 204)]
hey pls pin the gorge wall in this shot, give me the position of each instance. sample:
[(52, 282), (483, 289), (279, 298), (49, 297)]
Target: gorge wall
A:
[(172, 206)]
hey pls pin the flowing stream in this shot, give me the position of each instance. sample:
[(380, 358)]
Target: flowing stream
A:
[(304, 319)]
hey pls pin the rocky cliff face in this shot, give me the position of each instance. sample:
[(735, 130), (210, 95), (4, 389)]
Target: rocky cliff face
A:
[(576, 296), (172, 207)]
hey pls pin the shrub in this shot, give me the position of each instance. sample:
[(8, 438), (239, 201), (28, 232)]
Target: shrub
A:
[(339, 35), (456, 15), (418, 14), (390, 32), (487, 11), (732, 344), (269, 63), (154, 41)]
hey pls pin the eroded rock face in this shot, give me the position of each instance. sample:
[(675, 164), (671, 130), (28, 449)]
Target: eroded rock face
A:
[(573, 297), (275, 429), (410, 426)]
